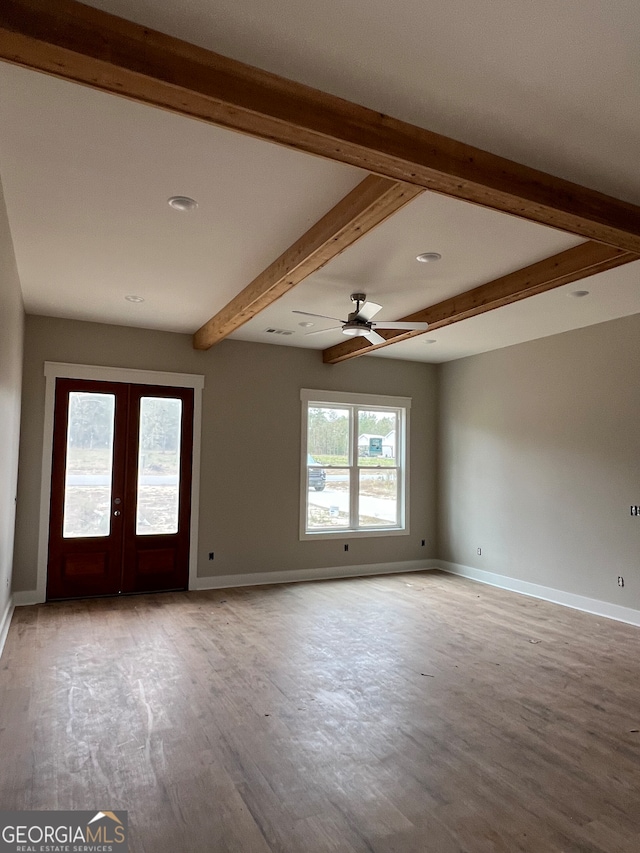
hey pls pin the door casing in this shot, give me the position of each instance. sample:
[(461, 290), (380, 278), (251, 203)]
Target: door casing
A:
[(57, 370)]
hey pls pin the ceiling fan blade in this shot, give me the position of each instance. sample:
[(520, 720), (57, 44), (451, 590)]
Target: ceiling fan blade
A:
[(375, 338), (368, 311), (410, 327), (322, 331), (323, 316)]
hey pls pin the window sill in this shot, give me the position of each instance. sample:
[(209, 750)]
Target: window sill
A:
[(348, 533)]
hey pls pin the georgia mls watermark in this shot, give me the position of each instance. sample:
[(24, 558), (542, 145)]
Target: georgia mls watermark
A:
[(63, 832)]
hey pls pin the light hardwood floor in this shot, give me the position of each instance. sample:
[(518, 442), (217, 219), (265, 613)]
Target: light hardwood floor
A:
[(395, 714)]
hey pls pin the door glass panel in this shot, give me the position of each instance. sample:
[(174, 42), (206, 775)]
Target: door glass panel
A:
[(87, 486), (158, 488), (378, 498)]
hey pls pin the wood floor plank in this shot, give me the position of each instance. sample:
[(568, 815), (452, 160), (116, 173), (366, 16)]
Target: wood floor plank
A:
[(405, 713)]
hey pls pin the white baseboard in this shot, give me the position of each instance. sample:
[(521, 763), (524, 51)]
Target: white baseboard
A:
[(332, 573), (557, 596), (26, 597), (5, 621)]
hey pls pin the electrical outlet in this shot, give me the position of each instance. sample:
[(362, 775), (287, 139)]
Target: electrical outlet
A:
[(635, 510), (620, 581), (211, 555), (479, 552), (424, 542), (346, 547)]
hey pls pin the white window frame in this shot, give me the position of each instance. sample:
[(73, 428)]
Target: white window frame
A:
[(402, 405)]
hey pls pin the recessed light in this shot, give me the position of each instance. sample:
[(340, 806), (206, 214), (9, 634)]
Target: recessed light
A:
[(306, 325), (428, 257), (182, 202), (579, 293), (133, 298), (431, 341)]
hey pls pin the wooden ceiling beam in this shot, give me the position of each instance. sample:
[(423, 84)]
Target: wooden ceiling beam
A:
[(573, 264), (368, 204), (88, 46)]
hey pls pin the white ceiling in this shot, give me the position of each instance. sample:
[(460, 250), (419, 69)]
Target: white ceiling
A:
[(86, 179), (611, 295), (551, 83), (86, 175)]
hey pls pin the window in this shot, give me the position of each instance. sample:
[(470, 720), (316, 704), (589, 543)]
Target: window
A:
[(354, 465)]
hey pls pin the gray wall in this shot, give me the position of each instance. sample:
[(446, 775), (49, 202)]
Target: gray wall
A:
[(11, 340), (539, 461), (249, 503)]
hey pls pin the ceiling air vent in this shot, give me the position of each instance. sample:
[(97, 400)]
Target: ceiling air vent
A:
[(278, 332)]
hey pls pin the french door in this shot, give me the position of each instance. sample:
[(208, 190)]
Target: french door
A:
[(120, 489)]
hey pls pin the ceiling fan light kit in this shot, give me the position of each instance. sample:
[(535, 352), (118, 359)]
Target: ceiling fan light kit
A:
[(354, 331)]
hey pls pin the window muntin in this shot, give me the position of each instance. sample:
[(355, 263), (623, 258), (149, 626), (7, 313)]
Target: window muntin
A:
[(354, 462)]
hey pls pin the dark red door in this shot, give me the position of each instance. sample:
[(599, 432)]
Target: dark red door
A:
[(120, 490)]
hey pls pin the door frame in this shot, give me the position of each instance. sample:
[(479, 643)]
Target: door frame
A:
[(57, 370)]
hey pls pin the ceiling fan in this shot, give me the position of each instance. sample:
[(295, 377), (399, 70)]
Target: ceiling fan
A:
[(359, 322)]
